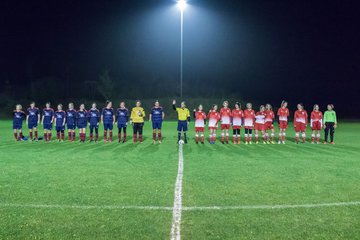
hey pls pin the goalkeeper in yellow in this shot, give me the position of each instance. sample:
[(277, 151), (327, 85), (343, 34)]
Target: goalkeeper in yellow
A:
[(183, 119), (137, 120)]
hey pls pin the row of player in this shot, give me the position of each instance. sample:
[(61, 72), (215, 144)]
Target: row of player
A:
[(262, 122)]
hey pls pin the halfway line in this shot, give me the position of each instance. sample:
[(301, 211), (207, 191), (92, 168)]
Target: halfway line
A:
[(176, 220)]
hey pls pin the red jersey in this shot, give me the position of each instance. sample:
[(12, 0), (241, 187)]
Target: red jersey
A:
[(260, 117), (200, 119), (316, 116), (214, 118), (225, 114), (249, 117), (269, 116), (301, 116), (283, 114), (237, 115)]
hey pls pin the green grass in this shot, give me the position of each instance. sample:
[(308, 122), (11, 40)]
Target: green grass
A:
[(112, 174)]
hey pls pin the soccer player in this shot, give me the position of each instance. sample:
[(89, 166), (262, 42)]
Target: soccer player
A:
[(18, 117), (60, 118), (33, 120), (108, 118), (330, 123), (81, 122), (237, 116), (316, 124), (283, 114), (214, 118), (260, 124), (71, 122), (225, 118), (47, 121), (157, 116), (200, 122), (183, 119), (137, 119), (122, 115), (249, 118), (93, 116), (269, 123), (300, 123)]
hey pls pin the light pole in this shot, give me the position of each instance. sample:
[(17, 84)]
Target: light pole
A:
[(182, 5)]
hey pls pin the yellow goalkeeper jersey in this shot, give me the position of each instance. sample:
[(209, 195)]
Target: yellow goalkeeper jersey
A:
[(183, 113), (137, 115)]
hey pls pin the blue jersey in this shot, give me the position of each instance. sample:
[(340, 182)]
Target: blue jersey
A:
[(48, 114), (81, 118), (18, 117), (33, 114), (94, 116), (156, 114), (122, 115), (70, 117), (108, 115), (59, 118)]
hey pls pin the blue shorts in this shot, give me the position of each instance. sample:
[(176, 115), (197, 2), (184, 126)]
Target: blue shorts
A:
[(60, 128), (182, 126), (94, 125), (32, 125), (108, 126), (71, 126), (81, 125), (48, 126), (17, 126), (122, 125), (157, 125)]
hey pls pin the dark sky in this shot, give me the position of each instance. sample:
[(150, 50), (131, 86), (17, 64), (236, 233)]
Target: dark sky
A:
[(255, 50)]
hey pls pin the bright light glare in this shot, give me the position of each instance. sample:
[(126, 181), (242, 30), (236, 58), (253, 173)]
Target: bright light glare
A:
[(181, 4)]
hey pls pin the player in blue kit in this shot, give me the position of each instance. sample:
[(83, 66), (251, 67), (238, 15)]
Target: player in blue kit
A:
[(156, 116), (94, 119), (47, 121), (108, 118), (81, 122), (33, 120), (71, 122), (60, 117), (18, 117), (122, 118)]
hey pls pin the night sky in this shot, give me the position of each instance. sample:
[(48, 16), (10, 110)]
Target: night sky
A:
[(261, 51)]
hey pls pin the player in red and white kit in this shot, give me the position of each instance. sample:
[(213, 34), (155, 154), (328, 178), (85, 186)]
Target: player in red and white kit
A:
[(316, 124), (300, 123), (283, 114), (269, 124), (249, 118), (237, 116), (214, 118), (260, 124), (200, 121), (225, 118)]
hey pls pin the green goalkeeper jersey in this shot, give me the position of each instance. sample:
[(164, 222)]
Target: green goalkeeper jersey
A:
[(330, 116)]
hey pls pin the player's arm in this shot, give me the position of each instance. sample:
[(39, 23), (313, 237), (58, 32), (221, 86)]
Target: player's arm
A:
[(163, 115), (150, 117), (113, 118), (173, 105), (38, 114), (335, 122), (27, 119), (102, 117), (188, 115)]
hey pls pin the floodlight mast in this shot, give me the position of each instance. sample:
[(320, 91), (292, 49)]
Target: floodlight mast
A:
[(182, 5)]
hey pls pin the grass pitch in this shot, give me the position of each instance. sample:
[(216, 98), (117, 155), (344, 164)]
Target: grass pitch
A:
[(89, 190)]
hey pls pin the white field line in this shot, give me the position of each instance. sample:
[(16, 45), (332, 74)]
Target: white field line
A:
[(176, 219), (195, 208)]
